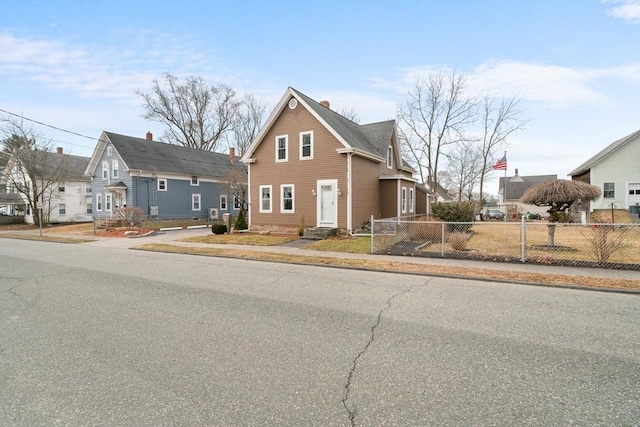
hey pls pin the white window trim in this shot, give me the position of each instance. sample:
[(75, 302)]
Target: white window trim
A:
[(62, 188), (105, 170), (411, 200), (109, 150), (197, 181), (166, 184), (60, 207), (114, 169), (108, 201), (404, 200), (293, 198), (390, 157), (98, 202), (270, 199), (226, 202), (614, 190), (286, 148), (193, 202), (236, 203), (310, 133)]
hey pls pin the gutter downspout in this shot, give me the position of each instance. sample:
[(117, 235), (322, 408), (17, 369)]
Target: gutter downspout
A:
[(249, 210), (349, 195)]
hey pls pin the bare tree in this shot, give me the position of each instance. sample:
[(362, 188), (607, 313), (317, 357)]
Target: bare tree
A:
[(196, 114), (33, 169), (238, 187), (498, 123), (247, 123), (464, 168), (350, 113), (435, 115)]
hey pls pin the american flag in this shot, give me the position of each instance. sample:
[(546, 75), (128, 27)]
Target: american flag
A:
[(501, 165)]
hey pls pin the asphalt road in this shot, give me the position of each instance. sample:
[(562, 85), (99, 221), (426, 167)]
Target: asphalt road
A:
[(106, 336)]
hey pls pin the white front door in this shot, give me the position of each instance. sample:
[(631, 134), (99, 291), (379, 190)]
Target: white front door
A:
[(327, 203)]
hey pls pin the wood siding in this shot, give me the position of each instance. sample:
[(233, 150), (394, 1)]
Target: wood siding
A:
[(303, 174)]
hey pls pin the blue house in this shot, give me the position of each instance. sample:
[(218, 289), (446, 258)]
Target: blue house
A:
[(166, 181)]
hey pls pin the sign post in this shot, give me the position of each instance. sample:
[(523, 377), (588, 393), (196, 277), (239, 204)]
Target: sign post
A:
[(39, 207)]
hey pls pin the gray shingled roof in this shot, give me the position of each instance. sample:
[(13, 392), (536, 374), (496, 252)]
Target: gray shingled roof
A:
[(586, 166), (372, 138), (62, 166), (152, 156), (516, 189)]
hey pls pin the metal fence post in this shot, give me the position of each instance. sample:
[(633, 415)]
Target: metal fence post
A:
[(373, 244), (523, 239), (442, 244)]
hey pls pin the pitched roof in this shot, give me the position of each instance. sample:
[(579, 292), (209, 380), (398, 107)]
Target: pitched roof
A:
[(515, 189), (586, 166), (65, 166), (151, 156)]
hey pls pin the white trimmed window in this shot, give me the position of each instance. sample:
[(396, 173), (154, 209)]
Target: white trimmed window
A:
[(61, 188), (99, 202), (89, 208), (62, 209), (411, 200), (282, 148), (286, 198), (389, 157), (609, 190), (306, 145), (223, 202), (162, 184), (107, 202), (194, 181), (265, 199), (105, 170), (114, 169), (236, 203), (404, 199), (195, 202), (109, 150)]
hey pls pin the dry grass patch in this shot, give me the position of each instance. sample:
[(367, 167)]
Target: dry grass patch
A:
[(44, 238), (399, 267), (240, 239), (354, 245)]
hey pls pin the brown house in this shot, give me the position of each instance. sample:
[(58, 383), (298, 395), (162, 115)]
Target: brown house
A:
[(310, 162)]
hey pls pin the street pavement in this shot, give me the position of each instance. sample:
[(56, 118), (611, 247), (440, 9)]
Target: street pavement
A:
[(172, 237)]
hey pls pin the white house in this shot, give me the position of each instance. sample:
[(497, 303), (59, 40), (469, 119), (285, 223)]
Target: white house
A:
[(616, 171)]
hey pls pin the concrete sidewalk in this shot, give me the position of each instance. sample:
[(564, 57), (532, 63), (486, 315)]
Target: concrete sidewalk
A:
[(298, 249)]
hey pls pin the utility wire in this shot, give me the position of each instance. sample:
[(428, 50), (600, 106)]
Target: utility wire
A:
[(50, 126)]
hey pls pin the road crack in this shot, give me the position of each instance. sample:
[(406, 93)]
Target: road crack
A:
[(351, 409)]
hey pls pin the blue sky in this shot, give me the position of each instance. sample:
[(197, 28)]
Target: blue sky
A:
[(575, 64)]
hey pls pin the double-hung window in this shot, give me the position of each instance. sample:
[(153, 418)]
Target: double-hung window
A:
[(195, 202), (282, 148), (609, 190), (114, 168), (287, 194), (411, 200), (265, 199), (62, 209), (107, 202), (162, 184), (194, 181), (236, 203), (306, 145), (105, 170), (223, 202), (61, 188), (98, 202), (404, 199), (389, 157)]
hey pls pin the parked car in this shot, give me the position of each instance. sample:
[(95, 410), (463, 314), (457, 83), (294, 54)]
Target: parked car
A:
[(493, 214)]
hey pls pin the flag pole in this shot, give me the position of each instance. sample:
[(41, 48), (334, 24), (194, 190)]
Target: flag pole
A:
[(506, 205)]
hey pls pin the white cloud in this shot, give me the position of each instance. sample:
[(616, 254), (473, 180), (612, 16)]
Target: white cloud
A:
[(629, 10), (552, 85)]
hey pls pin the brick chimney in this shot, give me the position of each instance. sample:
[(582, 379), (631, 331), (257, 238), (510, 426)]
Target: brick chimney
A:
[(59, 150), (149, 136), (325, 104), (232, 155)]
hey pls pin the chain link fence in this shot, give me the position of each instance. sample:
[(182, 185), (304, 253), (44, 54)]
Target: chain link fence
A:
[(602, 245)]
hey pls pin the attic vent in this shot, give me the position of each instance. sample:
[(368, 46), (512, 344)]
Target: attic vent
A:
[(293, 103)]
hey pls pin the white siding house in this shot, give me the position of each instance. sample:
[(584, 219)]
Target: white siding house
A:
[(616, 171)]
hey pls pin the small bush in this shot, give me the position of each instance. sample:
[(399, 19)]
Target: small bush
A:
[(458, 241), (218, 228), (455, 212), (129, 216), (241, 221), (301, 226)]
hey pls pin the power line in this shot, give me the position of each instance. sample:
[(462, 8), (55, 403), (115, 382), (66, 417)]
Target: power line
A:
[(50, 126)]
